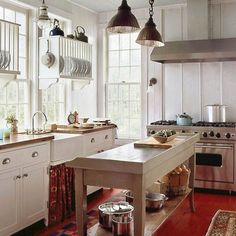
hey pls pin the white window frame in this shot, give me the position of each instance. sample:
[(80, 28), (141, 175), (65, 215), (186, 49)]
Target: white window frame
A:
[(26, 80), (143, 102)]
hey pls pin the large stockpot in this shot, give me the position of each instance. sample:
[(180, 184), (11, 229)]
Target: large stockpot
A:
[(120, 210), (154, 201), (216, 113)]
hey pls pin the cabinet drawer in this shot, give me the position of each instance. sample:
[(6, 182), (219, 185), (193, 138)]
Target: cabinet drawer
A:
[(98, 141), (26, 155)]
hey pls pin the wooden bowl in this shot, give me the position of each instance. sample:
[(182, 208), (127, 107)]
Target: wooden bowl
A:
[(161, 139)]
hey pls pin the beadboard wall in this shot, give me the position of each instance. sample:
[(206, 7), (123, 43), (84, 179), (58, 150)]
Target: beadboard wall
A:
[(186, 87), (189, 87)]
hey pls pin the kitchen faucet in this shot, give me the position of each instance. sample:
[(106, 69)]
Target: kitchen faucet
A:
[(46, 119)]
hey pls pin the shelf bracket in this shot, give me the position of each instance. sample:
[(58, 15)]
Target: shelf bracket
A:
[(5, 79)]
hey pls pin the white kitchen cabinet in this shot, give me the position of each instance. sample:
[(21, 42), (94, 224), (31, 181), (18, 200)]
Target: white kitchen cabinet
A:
[(95, 143), (34, 193), (24, 186), (98, 141), (10, 202)]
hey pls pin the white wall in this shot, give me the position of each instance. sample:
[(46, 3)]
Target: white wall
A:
[(189, 87), (85, 100)]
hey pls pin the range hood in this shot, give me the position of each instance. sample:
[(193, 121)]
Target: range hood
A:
[(208, 50)]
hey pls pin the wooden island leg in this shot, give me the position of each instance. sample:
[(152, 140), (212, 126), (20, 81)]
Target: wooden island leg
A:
[(191, 181), (80, 202), (139, 206)]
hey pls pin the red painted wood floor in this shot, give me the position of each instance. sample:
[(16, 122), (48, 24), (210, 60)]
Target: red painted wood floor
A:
[(181, 223)]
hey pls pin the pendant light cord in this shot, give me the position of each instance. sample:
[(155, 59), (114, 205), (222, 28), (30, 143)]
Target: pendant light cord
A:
[(151, 12)]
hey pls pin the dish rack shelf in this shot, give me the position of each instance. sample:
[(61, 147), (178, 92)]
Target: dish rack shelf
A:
[(9, 49), (73, 59)]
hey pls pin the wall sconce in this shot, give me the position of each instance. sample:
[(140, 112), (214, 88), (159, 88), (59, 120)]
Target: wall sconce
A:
[(152, 82)]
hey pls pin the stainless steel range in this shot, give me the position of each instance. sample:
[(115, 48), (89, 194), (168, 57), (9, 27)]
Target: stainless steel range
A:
[(215, 152)]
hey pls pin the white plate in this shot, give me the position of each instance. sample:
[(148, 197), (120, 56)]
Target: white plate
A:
[(8, 61), (61, 64)]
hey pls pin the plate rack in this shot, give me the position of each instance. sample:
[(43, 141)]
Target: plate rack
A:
[(73, 59), (9, 50)]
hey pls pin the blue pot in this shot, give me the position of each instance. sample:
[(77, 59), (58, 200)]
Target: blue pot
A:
[(184, 119)]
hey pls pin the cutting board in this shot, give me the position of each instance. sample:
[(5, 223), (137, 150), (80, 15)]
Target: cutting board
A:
[(153, 143)]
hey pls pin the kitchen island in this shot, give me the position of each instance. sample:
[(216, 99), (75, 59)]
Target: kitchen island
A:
[(127, 167)]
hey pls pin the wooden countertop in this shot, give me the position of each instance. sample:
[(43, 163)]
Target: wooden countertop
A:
[(67, 129), (130, 159), (16, 140)]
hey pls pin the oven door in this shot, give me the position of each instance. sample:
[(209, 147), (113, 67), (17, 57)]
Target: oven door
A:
[(215, 162)]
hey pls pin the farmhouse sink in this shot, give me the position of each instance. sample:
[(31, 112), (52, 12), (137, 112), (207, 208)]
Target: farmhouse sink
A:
[(66, 147)]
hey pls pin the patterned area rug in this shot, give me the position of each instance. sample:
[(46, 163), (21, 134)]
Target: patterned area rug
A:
[(223, 224), (71, 229)]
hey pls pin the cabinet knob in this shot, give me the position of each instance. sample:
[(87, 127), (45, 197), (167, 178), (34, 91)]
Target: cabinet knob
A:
[(17, 177), (106, 137), (25, 175), (35, 154), (6, 161), (93, 140)]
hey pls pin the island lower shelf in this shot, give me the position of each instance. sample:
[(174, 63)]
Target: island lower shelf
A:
[(153, 219)]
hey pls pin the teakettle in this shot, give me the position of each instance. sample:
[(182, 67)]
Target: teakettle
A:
[(80, 35), (56, 29), (184, 119)]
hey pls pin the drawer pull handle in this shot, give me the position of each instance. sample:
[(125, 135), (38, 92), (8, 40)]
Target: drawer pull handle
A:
[(93, 140), (106, 137), (35, 154), (25, 175), (17, 177), (6, 161)]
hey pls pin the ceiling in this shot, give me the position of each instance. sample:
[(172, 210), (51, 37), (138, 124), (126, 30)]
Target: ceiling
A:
[(111, 5)]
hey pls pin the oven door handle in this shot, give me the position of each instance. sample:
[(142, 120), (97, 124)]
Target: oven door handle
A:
[(218, 147)]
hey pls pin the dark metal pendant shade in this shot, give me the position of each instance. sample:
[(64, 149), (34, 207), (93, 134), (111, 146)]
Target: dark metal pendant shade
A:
[(149, 36), (124, 21)]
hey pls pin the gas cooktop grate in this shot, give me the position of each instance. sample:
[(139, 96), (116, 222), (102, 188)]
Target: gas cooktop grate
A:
[(199, 123)]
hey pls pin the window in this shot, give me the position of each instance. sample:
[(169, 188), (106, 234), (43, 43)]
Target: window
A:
[(14, 98), (53, 98), (123, 85), (53, 103)]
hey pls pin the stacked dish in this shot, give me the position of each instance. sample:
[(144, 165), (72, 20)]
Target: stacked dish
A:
[(77, 67), (5, 59)]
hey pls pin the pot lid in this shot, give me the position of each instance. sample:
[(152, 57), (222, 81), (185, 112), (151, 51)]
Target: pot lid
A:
[(184, 115), (216, 105), (115, 207)]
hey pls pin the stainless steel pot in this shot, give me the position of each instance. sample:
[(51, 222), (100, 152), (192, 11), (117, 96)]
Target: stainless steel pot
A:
[(121, 227), (120, 210), (154, 201), (216, 113)]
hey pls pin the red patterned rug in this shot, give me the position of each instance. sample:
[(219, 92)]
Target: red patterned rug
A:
[(223, 224), (71, 229)]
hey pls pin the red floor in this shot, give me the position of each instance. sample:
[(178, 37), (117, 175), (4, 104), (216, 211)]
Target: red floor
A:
[(181, 223)]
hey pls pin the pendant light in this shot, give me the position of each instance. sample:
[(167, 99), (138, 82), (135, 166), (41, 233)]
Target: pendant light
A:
[(149, 36), (124, 21), (43, 20)]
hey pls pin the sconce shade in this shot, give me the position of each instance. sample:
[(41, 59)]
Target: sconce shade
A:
[(43, 20), (124, 21)]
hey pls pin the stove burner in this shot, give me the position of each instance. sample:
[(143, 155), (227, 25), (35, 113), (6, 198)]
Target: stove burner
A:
[(199, 123), (215, 124), (164, 122)]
